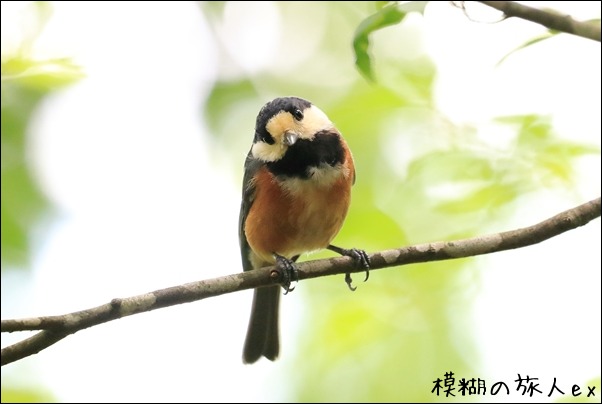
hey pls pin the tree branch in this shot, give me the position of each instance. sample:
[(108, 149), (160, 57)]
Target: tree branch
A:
[(547, 18), (55, 328)]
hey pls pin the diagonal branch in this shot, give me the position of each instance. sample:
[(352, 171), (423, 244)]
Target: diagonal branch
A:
[(550, 19), (55, 328)]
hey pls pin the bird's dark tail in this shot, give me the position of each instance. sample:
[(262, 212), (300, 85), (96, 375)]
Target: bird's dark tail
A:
[(263, 335)]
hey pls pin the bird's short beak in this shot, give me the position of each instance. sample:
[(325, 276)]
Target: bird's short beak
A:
[(290, 138)]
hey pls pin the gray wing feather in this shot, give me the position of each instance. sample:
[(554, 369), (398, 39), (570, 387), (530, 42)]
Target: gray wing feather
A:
[(252, 165)]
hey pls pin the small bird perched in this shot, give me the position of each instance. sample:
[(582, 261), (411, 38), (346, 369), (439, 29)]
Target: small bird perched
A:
[(295, 197)]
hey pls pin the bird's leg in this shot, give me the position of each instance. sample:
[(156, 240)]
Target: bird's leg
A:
[(359, 256), (289, 271)]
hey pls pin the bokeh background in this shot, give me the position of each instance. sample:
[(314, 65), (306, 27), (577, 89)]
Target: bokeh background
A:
[(124, 130)]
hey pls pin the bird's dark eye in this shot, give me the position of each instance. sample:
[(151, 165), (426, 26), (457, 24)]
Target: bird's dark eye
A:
[(298, 114)]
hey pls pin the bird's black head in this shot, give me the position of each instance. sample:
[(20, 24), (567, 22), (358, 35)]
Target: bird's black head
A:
[(282, 122), (295, 139)]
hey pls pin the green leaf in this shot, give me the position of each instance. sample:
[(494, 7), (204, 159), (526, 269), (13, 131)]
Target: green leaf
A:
[(388, 15), (46, 75), (549, 34)]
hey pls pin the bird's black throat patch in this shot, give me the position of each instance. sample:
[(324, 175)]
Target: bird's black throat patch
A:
[(324, 148)]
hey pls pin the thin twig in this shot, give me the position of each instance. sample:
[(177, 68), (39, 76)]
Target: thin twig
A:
[(548, 18)]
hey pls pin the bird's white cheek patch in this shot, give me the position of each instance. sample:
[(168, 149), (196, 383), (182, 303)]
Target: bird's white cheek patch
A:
[(315, 121), (267, 152)]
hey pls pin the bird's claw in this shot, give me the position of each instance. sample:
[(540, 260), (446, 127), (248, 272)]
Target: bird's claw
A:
[(349, 281), (289, 273), (361, 260)]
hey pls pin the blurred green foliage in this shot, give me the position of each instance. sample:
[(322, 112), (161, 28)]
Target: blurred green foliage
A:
[(26, 395), (420, 178), (25, 83)]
